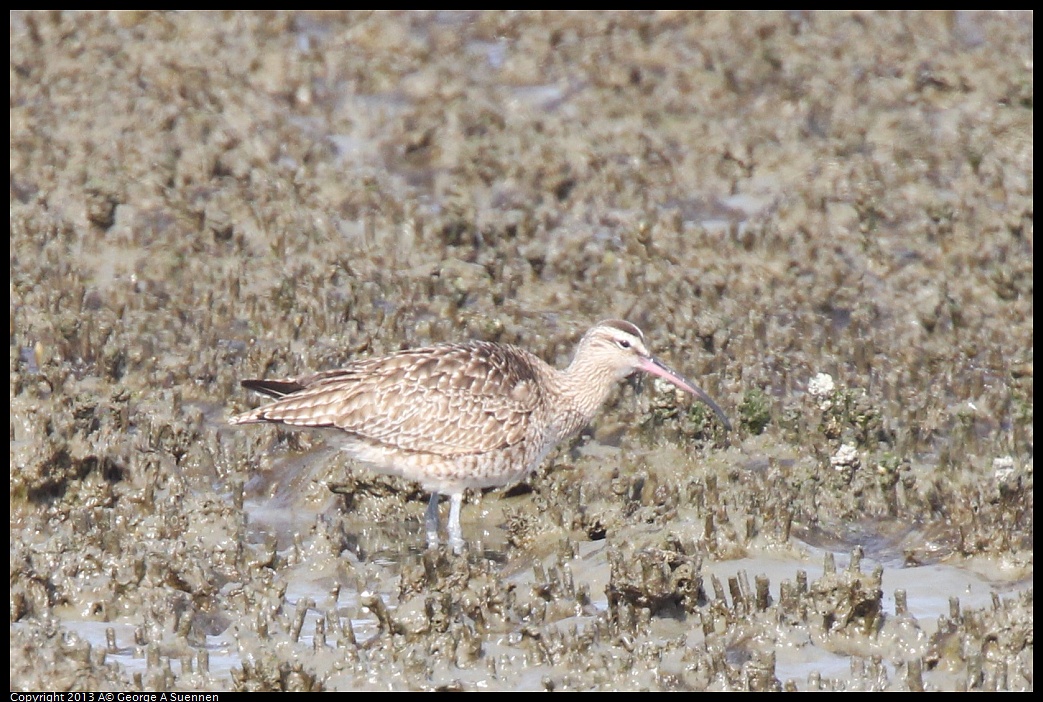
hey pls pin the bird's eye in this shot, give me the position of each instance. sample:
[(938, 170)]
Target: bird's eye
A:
[(623, 343)]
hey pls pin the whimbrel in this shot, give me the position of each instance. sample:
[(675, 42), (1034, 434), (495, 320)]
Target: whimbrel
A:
[(458, 416)]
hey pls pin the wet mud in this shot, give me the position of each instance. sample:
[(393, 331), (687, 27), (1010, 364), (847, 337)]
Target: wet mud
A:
[(825, 220)]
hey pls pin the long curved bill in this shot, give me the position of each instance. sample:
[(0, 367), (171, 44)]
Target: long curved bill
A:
[(659, 369)]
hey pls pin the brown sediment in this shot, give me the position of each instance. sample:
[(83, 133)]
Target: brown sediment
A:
[(199, 197)]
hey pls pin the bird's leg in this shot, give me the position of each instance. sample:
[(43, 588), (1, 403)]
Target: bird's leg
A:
[(431, 521), (456, 539)]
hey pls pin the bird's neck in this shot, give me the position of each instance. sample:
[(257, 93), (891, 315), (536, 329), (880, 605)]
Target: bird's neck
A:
[(582, 388)]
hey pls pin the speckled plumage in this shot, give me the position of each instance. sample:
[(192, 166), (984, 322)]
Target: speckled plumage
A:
[(454, 416)]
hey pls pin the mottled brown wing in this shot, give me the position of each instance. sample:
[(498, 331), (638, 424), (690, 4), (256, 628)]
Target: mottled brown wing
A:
[(449, 400)]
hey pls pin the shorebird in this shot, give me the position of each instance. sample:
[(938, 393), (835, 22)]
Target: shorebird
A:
[(457, 416)]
